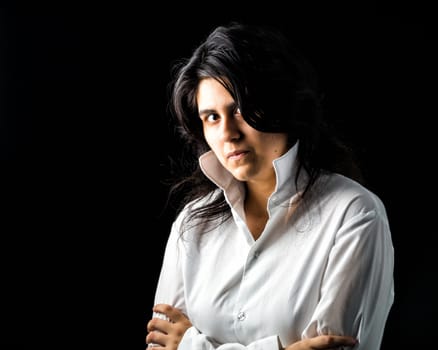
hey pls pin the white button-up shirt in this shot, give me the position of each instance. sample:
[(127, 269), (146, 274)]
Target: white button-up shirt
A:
[(322, 267)]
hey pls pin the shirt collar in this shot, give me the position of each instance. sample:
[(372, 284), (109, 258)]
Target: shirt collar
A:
[(285, 169)]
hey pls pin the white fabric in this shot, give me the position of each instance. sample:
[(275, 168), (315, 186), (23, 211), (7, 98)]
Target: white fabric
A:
[(324, 268)]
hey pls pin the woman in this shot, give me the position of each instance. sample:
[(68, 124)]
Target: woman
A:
[(277, 244)]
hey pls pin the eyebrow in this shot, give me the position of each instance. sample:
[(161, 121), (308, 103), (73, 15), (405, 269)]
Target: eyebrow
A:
[(207, 111)]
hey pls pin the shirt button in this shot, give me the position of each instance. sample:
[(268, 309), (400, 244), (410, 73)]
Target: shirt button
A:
[(241, 316), (256, 254)]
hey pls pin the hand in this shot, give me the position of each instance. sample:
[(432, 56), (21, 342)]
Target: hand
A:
[(167, 334), (326, 342)]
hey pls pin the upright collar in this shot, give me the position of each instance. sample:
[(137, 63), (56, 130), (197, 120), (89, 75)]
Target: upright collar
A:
[(285, 169)]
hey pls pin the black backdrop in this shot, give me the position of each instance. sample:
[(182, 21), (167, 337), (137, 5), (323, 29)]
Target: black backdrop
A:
[(84, 144)]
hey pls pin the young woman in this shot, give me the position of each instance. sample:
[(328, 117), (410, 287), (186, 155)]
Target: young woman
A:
[(277, 244)]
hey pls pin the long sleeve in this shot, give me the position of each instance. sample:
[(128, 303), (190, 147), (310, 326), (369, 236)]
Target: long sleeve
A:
[(170, 287), (357, 288)]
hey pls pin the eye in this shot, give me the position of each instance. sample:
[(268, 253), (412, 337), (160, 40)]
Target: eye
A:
[(212, 117)]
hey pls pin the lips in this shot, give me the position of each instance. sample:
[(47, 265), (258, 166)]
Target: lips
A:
[(236, 154)]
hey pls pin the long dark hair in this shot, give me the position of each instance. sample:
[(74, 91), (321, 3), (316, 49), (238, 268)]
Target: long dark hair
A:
[(276, 89)]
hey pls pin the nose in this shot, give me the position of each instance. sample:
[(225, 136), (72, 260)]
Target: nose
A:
[(230, 130)]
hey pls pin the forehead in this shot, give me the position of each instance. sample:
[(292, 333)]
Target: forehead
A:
[(212, 94)]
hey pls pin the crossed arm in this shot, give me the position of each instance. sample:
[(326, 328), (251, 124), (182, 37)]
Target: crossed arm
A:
[(167, 334)]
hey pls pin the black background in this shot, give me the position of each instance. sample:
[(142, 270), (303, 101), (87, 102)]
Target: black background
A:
[(84, 144)]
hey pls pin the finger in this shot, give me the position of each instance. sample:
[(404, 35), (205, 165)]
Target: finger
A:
[(157, 324), (156, 339), (331, 342)]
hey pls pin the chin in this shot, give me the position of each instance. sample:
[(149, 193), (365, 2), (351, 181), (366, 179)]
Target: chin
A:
[(240, 176)]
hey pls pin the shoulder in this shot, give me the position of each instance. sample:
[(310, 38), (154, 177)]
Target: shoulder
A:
[(350, 196)]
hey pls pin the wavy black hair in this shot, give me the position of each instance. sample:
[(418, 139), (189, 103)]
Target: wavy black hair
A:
[(276, 89)]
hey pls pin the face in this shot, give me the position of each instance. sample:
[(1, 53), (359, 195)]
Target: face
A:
[(244, 151)]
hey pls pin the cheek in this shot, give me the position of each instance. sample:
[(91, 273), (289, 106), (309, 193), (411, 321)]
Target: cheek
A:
[(278, 144), (210, 139)]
